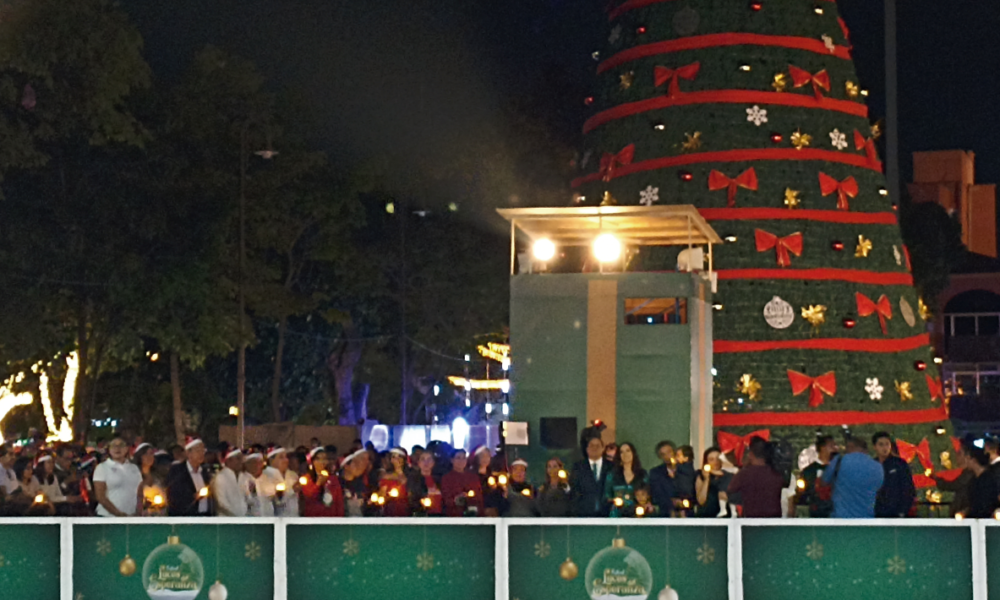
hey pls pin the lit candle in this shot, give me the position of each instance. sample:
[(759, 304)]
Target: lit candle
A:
[(39, 498), (472, 494), (503, 479), (708, 468), (801, 484), (157, 500), (562, 474), (203, 492), (324, 473), (686, 503), (425, 502), (280, 488), (381, 500), (303, 480), (526, 492), (394, 493), (492, 481), (639, 511), (619, 502), (374, 499)]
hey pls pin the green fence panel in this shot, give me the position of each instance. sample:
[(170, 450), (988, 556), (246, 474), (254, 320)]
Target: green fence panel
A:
[(180, 562), (29, 561), (379, 562), (833, 563), (993, 558), (564, 562)]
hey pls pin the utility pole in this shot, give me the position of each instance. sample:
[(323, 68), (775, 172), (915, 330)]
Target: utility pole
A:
[(891, 103), (241, 360)]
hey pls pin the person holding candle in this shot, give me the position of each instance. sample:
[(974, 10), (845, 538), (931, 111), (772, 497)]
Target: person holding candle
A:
[(626, 475), (354, 483), (711, 484), (253, 469), (490, 482), (460, 488), (279, 485), (423, 489), (392, 485), (45, 477), (229, 497), (519, 495), (187, 484), (321, 493), (553, 498)]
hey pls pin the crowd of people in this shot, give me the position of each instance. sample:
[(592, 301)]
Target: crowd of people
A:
[(119, 480)]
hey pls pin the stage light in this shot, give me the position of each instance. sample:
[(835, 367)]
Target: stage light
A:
[(460, 432), (607, 248), (543, 250)]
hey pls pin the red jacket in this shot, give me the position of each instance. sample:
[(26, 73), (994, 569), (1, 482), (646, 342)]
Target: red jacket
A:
[(313, 504), (455, 485)]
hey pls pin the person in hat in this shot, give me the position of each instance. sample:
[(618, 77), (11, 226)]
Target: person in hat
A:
[(461, 490), (279, 485), (45, 475), (519, 495), (188, 492), (321, 493), (117, 483), (481, 464), (253, 469), (354, 482), (392, 485), (230, 500)]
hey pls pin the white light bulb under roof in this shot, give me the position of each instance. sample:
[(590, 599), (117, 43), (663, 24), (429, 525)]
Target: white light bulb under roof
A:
[(543, 249), (607, 248)]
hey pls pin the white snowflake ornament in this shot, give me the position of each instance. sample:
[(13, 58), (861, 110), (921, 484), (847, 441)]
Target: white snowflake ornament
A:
[(838, 139), (874, 389), (898, 255), (757, 115), (615, 34), (828, 42), (649, 195)]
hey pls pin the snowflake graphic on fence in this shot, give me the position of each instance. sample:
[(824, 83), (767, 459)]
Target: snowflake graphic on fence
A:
[(897, 566), (706, 554), (649, 195), (425, 561), (814, 550), (838, 139), (757, 115), (873, 389), (542, 549)]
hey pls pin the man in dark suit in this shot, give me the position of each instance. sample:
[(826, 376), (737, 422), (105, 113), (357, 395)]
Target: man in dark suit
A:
[(587, 477), (661, 479), (188, 492)]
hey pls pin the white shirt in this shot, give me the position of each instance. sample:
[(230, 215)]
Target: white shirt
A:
[(230, 500), (199, 482), (248, 486), (52, 491), (8, 481), (123, 480), (288, 504)]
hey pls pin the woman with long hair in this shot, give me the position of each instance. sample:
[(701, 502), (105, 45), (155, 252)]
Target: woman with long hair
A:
[(554, 494), (392, 485), (492, 484), (711, 484), (322, 495), (45, 478), (626, 475), (25, 472)]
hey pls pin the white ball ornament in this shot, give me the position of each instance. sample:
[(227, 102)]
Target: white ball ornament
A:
[(667, 593), (218, 591), (778, 313)]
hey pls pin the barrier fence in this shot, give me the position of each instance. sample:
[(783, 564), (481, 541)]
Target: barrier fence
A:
[(479, 559)]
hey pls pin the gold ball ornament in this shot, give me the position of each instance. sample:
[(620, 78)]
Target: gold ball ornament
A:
[(218, 591), (127, 566), (568, 570)]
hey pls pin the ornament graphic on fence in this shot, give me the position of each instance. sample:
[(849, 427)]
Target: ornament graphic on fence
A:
[(618, 573), (173, 571)]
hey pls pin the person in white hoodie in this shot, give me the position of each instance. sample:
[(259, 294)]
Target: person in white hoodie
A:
[(230, 501), (279, 485)]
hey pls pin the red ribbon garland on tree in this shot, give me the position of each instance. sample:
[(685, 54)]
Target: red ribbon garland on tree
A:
[(819, 81), (935, 387), (847, 32), (922, 451), (866, 308), (718, 180), (824, 384), (868, 144), (662, 75), (610, 162), (783, 246), (737, 444), (848, 188)]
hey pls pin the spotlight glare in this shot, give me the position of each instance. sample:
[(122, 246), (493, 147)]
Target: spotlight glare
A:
[(543, 250), (607, 248)]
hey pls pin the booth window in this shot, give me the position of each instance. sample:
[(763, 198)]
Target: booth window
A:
[(656, 311)]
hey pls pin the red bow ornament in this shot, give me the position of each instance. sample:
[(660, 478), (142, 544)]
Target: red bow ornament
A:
[(718, 180), (866, 308), (934, 387), (817, 386), (730, 442), (610, 162), (820, 81), (922, 451), (662, 75), (868, 144), (845, 189), (783, 246)]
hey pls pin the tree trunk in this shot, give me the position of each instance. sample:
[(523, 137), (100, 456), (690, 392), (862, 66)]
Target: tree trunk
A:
[(341, 364), (175, 385), (276, 381)]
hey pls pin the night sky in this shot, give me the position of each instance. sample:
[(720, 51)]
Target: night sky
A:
[(409, 77)]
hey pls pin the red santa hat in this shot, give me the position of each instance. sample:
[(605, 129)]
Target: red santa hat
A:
[(192, 443), (519, 461), (274, 452), (352, 456), (312, 453), (140, 447), (233, 453)]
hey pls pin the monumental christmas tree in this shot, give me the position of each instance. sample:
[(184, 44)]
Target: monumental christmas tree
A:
[(752, 112)]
